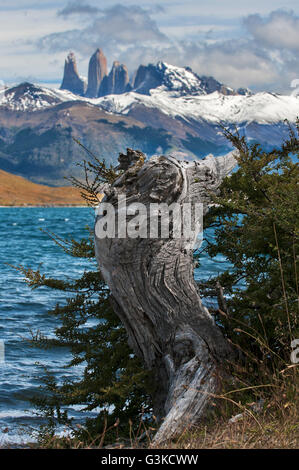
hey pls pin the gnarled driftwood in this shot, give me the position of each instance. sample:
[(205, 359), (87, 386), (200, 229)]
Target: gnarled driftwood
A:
[(153, 290)]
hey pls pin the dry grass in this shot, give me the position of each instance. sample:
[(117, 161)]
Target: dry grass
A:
[(17, 191), (267, 431), (271, 421), (275, 426)]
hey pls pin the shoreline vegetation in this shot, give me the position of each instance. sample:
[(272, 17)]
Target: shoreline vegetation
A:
[(16, 191), (255, 217)]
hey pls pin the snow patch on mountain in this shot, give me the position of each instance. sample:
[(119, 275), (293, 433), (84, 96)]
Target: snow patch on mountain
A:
[(29, 97), (180, 93), (179, 81), (263, 108)]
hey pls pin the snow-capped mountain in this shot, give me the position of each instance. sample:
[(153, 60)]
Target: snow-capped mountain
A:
[(178, 93), (171, 110), (29, 97), (262, 108), (178, 81)]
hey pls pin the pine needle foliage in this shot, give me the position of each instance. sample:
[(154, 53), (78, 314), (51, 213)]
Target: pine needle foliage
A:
[(256, 223), (96, 173)]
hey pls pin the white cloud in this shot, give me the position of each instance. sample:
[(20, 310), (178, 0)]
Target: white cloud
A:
[(240, 43), (130, 35), (279, 30), (239, 65), (118, 26), (77, 7)]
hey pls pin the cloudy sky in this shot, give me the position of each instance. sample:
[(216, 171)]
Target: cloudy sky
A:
[(241, 43)]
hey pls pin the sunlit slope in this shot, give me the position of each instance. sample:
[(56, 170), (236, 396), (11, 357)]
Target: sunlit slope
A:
[(18, 191)]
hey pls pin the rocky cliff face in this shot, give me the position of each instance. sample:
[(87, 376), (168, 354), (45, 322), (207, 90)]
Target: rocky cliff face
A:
[(146, 78), (116, 82), (210, 85), (180, 81), (97, 71), (71, 79)]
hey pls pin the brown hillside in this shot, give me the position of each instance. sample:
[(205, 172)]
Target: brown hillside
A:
[(17, 191)]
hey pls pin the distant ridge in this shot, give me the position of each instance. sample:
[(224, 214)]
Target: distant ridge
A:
[(164, 109), (18, 191)]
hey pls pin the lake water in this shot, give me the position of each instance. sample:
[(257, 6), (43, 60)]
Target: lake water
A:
[(23, 309)]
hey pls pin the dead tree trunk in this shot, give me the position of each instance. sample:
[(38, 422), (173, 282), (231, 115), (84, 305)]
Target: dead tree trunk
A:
[(154, 293)]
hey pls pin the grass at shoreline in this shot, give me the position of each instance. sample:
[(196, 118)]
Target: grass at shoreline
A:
[(250, 432), (271, 422)]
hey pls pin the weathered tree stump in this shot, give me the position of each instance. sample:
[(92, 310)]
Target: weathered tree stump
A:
[(154, 292)]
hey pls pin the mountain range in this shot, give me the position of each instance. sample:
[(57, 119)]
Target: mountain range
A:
[(162, 109), (146, 78)]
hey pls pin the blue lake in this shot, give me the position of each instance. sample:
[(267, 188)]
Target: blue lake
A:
[(23, 309)]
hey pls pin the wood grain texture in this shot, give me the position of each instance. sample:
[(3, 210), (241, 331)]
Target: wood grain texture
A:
[(154, 292)]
